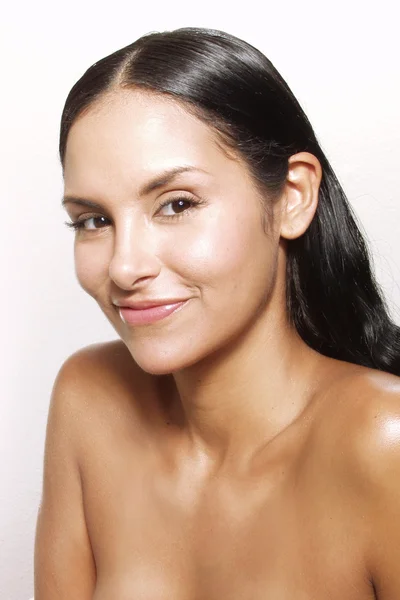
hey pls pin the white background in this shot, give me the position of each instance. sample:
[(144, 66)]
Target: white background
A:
[(341, 61)]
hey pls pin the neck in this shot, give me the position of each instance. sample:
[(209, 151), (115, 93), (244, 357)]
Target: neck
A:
[(240, 398)]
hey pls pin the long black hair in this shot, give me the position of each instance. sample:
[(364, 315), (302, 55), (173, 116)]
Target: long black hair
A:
[(332, 297)]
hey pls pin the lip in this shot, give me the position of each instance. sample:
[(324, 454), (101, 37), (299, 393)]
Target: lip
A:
[(149, 314), (143, 304)]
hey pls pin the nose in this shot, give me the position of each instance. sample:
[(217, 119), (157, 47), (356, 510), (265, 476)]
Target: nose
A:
[(134, 257)]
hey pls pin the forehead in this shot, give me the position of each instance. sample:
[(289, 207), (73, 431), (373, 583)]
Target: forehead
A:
[(133, 133)]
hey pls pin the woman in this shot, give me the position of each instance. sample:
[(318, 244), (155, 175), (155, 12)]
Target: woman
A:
[(241, 439)]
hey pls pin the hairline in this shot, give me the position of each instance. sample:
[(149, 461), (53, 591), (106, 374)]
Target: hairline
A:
[(223, 140)]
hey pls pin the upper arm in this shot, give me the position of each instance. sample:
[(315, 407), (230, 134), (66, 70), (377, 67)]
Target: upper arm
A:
[(385, 542), (380, 464), (63, 563)]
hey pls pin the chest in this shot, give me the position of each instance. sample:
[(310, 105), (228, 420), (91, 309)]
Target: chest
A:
[(279, 538)]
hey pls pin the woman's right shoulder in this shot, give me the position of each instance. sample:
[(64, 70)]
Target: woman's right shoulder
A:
[(98, 381), (107, 355), (80, 418), (99, 365)]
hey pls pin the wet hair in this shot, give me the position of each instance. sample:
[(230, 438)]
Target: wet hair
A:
[(332, 296)]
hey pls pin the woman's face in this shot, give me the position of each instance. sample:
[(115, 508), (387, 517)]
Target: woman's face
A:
[(195, 236)]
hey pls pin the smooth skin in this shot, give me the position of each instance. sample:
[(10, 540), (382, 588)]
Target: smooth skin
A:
[(211, 454)]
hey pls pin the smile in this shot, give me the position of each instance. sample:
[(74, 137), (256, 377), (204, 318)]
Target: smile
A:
[(146, 316)]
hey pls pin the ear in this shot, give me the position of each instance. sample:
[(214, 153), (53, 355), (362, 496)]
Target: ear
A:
[(300, 197)]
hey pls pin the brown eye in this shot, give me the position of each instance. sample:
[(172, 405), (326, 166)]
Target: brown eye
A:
[(80, 223), (176, 207), (95, 220)]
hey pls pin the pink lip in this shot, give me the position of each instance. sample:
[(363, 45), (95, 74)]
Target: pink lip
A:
[(144, 316)]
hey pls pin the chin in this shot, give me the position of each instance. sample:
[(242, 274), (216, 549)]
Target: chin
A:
[(158, 367), (161, 362)]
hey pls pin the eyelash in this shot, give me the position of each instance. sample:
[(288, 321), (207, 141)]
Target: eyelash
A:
[(79, 223)]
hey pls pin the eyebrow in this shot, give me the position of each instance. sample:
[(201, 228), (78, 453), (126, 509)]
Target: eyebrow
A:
[(160, 181)]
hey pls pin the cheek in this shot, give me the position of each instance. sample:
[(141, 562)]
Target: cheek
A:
[(222, 253), (91, 267)]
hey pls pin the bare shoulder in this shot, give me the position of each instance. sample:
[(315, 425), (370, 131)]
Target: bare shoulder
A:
[(372, 455), (101, 387), (88, 416), (362, 410), (105, 359), (371, 402), (361, 421), (375, 427), (104, 368), (358, 441)]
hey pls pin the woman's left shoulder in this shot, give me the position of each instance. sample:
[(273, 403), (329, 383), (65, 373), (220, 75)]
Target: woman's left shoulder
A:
[(359, 425), (373, 414), (367, 443), (362, 414)]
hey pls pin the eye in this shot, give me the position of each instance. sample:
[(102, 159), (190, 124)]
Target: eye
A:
[(80, 223), (174, 208), (94, 220)]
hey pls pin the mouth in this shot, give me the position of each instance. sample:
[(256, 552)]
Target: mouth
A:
[(146, 316)]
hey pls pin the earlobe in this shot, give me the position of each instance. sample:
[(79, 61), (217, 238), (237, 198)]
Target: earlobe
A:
[(301, 194)]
